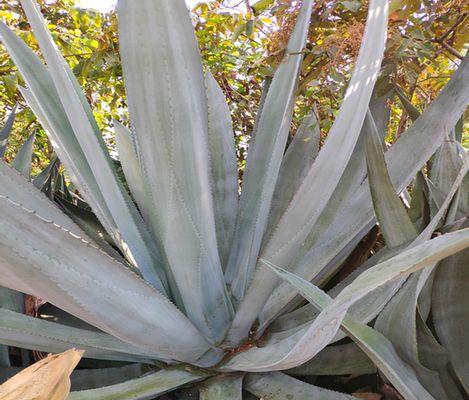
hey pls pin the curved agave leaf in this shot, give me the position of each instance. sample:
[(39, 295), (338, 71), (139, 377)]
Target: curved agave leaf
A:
[(416, 283), (397, 321), (404, 159), (6, 130), (343, 359), (43, 259), (324, 175), (367, 308), (224, 167), (264, 159), (278, 386), (375, 345), (303, 345), (402, 310), (222, 388), (23, 159), (363, 311), (20, 330), (172, 143), (119, 217), (143, 388)]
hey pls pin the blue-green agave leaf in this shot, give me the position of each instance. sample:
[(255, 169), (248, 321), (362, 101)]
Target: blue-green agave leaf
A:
[(343, 359), (23, 159), (324, 175), (85, 379), (222, 388), (6, 130), (143, 388), (40, 180), (303, 345), (395, 223), (404, 159), (278, 386), (131, 166), (450, 298), (160, 56), (264, 159), (67, 106), (41, 258), (296, 163), (19, 330), (223, 165)]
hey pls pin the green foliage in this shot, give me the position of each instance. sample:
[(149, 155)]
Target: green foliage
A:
[(154, 260)]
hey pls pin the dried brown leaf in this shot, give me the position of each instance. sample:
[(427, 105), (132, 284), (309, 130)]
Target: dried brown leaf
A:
[(48, 379)]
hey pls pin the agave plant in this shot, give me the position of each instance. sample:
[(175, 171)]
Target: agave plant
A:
[(202, 283)]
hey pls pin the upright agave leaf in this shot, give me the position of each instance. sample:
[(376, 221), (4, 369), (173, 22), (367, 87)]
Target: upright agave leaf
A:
[(404, 159), (264, 159), (449, 311), (45, 175), (131, 166), (22, 160), (296, 163), (168, 109), (326, 171), (6, 130), (224, 166), (353, 176), (395, 224), (62, 108), (321, 180), (446, 164)]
